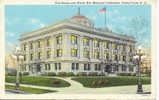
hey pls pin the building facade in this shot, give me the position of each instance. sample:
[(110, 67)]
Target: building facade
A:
[(75, 45)]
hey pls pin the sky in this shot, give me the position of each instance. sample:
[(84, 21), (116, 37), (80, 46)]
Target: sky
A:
[(119, 19)]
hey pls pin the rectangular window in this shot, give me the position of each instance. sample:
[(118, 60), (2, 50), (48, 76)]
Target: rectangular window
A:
[(31, 45), (40, 55), (106, 55), (86, 53), (106, 45), (59, 39), (114, 45), (123, 68), (85, 66), (96, 55), (96, 43), (85, 42), (124, 58), (59, 53), (96, 67), (32, 56), (49, 54), (77, 66), (25, 46), (59, 66), (116, 57), (45, 66), (89, 68), (73, 66), (74, 52), (40, 43), (48, 41), (24, 57), (55, 66), (49, 66), (74, 39), (99, 67), (121, 58)]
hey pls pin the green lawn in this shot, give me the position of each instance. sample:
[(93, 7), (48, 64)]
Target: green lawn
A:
[(29, 90), (39, 81), (97, 82)]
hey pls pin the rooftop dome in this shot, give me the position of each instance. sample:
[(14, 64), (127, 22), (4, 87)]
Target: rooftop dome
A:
[(79, 16), (83, 20)]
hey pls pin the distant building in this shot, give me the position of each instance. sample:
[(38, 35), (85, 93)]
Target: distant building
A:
[(146, 62), (75, 45)]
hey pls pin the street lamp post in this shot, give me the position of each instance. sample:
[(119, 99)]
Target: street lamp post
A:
[(138, 58), (18, 54)]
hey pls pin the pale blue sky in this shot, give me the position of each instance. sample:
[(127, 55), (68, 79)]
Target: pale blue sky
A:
[(26, 18)]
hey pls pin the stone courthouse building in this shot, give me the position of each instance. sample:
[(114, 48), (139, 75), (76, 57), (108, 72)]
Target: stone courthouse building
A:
[(75, 45)]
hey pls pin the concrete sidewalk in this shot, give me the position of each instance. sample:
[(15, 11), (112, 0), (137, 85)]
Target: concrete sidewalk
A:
[(77, 88)]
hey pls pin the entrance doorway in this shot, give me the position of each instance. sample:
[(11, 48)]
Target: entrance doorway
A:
[(38, 68)]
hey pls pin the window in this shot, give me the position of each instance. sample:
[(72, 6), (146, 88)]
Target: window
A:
[(129, 48), (116, 57), (55, 66), (123, 68), (59, 40), (74, 52), (85, 42), (85, 66), (106, 45), (86, 53), (106, 56), (49, 66), (32, 56), (25, 46), (48, 41), (40, 43), (114, 45), (77, 66), (124, 58), (31, 45), (121, 58), (131, 69), (24, 57), (121, 47), (48, 54), (99, 67), (74, 39), (40, 54), (89, 68), (45, 66), (96, 67), (113, 56), (59, 66), (96, 43), (59, 53), (73, 66), (96, 55)]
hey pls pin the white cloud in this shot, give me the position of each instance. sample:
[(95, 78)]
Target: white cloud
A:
[(36, 22), (11, 34)]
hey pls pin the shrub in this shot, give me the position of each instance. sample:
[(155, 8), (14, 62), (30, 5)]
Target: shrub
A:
[(56, 82), (12, 73), (126, 74), (105, 81), (93, 74), (51, 74), (94, 83), (25, 73), (70, 74), (101, 74), (100, 82), (81, 74), (61, 74)]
